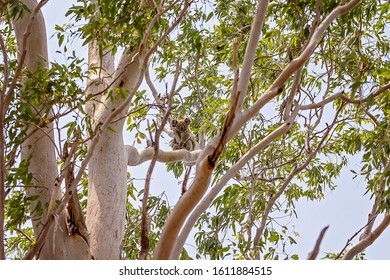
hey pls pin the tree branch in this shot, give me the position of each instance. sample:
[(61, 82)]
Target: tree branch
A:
[(292, 67), (286, 182), (370, 221), (313, 254), (144, 216), (366, 99), (341, 95), (205, 203), (2, 150), (250, 52), (23, 51), (180, 213), (364, 243), (135, 157)]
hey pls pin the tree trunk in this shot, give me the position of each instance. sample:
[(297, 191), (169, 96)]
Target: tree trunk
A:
[(107, 170), (39, 149)]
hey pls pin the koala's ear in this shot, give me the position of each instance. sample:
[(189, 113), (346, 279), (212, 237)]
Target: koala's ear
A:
[(187, 120), (174, 123)]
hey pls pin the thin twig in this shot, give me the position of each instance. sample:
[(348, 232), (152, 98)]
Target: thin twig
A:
[(24, 234), (6, 73)]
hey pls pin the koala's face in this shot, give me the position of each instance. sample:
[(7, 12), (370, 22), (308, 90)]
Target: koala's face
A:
[(181, 125)]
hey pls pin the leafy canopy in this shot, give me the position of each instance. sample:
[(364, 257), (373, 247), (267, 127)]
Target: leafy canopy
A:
[(351, 57)]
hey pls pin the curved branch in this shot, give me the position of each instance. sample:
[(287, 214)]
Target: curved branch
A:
[(369, 97), (364, 243), (323, 102), (185, 205), (341, 95)]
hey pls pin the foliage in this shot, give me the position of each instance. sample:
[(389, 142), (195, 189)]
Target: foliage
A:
[(353, 56)]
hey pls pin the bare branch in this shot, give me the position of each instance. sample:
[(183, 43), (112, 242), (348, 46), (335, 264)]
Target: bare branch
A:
[(135, 157), (24, 234), (3, 110), (250, 52), (180, 213), (201, 102), (297, 77), (236, 69), (290, 99), (367, 229), (154, 91), (6, 73), (378, 199), (313, 254), (353, 236), (370, 97), (341, 95)]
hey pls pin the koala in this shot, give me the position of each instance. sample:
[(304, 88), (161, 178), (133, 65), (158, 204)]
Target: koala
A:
[(183, 136)]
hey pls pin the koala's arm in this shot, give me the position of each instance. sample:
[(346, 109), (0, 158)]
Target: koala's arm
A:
[(176, 136), (188, 141), (176, 133), (187, 135), (176, 141)]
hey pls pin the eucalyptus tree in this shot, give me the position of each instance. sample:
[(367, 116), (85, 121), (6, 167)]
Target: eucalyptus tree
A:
[(280, 94)]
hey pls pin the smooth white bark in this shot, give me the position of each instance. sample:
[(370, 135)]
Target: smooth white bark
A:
[(136, 157), (39, 148), (107, 169), (368, 240)]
